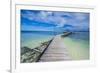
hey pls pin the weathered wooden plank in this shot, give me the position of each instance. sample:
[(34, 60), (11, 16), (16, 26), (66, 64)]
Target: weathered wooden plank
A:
[(56, 51)]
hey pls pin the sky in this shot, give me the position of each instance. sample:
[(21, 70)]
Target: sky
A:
[(39, 20)]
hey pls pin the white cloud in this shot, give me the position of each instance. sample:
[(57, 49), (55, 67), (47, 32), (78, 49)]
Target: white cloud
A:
[(80, 16), (57, 18)]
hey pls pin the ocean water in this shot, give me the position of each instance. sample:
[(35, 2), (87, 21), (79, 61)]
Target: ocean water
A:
[(77, 43), (33, 39)]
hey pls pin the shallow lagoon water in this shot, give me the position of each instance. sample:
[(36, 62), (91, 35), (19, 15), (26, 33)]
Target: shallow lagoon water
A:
[(35, 38), (77, 43)]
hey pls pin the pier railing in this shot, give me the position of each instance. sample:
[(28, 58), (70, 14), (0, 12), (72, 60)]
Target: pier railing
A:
[(29, 55), (43, 51)]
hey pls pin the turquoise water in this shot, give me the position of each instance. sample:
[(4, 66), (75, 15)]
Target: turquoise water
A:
[(33, 39), (77, 43)]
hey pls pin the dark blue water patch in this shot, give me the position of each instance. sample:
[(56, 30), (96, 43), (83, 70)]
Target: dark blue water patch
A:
[(42, 32), (80, 36)]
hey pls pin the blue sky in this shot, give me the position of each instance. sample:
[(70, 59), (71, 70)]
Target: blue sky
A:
[(37, 20)]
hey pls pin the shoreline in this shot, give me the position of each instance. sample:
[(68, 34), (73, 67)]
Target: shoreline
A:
[(33, 53)]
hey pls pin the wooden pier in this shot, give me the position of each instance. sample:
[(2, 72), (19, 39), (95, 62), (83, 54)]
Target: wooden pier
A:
[(56, 51)]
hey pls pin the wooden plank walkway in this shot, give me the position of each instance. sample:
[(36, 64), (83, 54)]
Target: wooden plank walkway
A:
[(56, 51)]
